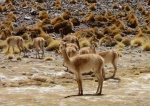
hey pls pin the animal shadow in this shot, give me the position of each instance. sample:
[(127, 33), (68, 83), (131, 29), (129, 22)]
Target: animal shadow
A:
[(83, 95), (113, 79)]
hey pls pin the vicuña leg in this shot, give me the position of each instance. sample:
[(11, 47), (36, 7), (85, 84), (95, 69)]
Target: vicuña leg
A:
[(79, 81)]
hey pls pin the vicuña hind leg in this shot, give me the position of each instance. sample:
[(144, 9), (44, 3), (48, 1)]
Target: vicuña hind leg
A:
[(115, 68), (100, 82)]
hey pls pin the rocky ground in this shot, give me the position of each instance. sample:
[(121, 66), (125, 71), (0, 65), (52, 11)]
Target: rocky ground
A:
[(36, 82), (39, 82)]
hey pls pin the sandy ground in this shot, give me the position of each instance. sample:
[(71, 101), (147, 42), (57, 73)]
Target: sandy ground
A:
[(36, 82)]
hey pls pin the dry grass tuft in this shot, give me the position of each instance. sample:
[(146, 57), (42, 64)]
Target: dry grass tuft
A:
[(127, 7), (57, 3), (118, 37), (67, 25), (3, 8), (115, 5), (73, 1), (24, 3), (91, 1), (19, 58), (3, 44), (53, 45), (141, 35), (106, 41), (10, 56), (144, 12), (75, 21), (84, 33), (120, 46), (40, 1), (101, 18), (48, 58), (89, 18), (137, 42), (56, 20), (126, 41), (140, 7), (92, 7), (146, 46), (43, 15), (84, 42), (66, 15), (136, 73)]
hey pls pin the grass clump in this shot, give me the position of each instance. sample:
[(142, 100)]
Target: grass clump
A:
[(120, 46), (92, 7), (136, 42), (118, 37), (146, 46), (48, 58), (19, 58), (126, 41), (53, 45), (10, 56)]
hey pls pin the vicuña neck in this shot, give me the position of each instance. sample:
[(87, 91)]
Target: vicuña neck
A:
[(65, 56)]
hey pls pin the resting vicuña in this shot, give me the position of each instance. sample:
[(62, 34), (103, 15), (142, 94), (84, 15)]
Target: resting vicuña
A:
[(110, 56), (15, 41), (83, 63), (39, 44)]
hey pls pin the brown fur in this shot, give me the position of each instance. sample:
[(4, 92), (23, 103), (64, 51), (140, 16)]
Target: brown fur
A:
[(70, 38), (71, 51), (110, 56), (38, 44), (15, 41), (83, 63), (87, 50)]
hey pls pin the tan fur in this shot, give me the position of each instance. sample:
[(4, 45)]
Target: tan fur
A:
[(83, 63), (39, 44), (72, 45), (110, 56), (71, 51), (70, 38), (87, 50), (15, 41)]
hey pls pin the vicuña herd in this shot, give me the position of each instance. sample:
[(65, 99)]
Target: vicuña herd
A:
[(77, 60)]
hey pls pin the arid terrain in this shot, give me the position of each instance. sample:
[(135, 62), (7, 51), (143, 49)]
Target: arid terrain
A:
[(36, 82), (28, 81)]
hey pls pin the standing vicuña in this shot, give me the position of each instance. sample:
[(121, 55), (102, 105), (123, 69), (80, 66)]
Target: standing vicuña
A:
[(39, 44), (83, 63), (110, 56), (15, 41)]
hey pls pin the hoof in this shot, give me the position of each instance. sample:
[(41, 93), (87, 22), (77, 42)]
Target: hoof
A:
[(98, 93), (80, 94)]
